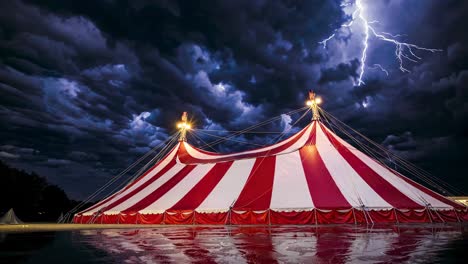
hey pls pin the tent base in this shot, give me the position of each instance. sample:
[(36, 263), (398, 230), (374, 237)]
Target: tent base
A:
[(271, 217)]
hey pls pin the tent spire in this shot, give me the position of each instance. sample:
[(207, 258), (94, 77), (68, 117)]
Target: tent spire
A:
[(183, 127), (313, 103)]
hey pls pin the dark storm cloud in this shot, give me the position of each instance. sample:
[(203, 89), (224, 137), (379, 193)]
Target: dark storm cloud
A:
[(270, 34), (89, 86), (341, 72)]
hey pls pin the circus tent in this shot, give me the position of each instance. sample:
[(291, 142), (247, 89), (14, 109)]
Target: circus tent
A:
[(312, 177)]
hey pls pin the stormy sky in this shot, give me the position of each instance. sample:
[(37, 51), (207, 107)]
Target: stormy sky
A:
[(87, 87)]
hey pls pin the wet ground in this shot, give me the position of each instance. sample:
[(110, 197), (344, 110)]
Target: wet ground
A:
[(240, 244)]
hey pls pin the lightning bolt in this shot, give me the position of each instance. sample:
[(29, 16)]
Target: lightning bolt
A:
[(378, 66), (403, 51), (365, 41), (324, 42)]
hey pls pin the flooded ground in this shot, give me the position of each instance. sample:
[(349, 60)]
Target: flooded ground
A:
[(241, 244)]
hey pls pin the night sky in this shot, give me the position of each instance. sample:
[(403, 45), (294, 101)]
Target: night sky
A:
[(87, 87)]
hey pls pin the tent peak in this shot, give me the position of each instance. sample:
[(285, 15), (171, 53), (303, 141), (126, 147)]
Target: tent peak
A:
[(313, 103), (183, 126)]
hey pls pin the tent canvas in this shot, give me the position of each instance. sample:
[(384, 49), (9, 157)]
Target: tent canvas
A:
[(312, 177)]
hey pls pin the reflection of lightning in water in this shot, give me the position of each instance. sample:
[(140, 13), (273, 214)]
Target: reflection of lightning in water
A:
[(403, 50)]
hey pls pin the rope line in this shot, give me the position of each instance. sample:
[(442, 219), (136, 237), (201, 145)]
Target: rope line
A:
[(255, 126), (161, 154), (230, 139), (237, 131), (204, 142), (368, 151), (372, 152), (398, 161), (118, 176)]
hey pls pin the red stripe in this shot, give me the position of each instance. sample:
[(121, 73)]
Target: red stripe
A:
[(186, 158), (203, 188), (323, 189), (122, 199), (256, 194), (382, 187), (312, 135), (156, 194), (130, 185)]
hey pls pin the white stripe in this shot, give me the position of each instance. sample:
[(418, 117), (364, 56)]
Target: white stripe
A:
[(153, 172), (351, 185), (290, 188), (199, 155), (407, 189), (229, 187), (148, 189), (171, 197)]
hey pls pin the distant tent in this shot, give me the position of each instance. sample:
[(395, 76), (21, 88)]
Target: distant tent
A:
[(10, 218)]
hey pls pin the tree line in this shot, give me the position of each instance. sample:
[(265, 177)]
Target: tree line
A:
[(32, 198)]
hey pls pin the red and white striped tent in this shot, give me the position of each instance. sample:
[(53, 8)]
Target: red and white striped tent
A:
[(313, 177)]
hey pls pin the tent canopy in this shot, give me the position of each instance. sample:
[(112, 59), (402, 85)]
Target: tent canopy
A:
[(312, 177)]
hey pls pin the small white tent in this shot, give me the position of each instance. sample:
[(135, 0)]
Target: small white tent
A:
[(10, 218)]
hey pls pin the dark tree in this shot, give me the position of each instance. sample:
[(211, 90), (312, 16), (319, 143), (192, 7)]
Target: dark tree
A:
[(31, 196)]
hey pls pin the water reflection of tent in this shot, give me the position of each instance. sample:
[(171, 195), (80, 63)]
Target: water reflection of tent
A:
[(264, 244), (10, 218)]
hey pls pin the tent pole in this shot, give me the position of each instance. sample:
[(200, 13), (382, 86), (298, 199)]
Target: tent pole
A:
[(429, 213), (438, 215), (370, 217), (354, 216), (456, 214), (365, 216), (183, 126), (396, 215), (315, 213), (313, 103)]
